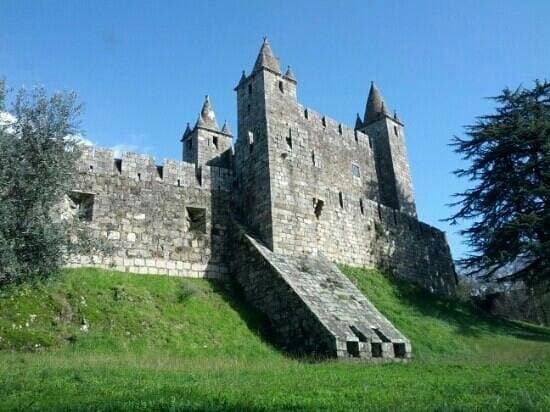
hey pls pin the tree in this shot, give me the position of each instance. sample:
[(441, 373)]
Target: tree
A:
[(509, 201), (37, 163)]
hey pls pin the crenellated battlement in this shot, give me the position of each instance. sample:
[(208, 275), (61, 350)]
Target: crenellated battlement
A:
[(143, 168), (334, 129)]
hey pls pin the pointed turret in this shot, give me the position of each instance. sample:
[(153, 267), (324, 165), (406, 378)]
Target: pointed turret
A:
[(375, 105), (207, 117), (266, 59), (289, 75), (225, 128), (186, 133)]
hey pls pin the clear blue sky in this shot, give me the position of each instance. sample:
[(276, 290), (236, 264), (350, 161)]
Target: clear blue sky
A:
[(143, 68)]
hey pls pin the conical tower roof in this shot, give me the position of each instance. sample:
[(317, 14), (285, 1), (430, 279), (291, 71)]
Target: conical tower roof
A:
[(266, 59), (290, 74), (226, 129), (187, 132), (207, 117), (375, 105)]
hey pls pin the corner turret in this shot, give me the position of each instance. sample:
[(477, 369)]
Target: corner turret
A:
[(206, 143), (390, 153)]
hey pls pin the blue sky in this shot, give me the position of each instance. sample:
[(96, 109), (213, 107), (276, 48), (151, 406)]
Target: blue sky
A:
[(142, 68)]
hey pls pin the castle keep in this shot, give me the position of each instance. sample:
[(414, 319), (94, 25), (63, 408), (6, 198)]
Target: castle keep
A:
[(296, 193)]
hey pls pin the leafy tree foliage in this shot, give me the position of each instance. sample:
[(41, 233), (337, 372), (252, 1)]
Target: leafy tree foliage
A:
[(509, 202), (37, 160)]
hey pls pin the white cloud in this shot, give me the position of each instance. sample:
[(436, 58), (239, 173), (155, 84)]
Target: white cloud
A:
[(79, 139), (121, 148), (6, 120)]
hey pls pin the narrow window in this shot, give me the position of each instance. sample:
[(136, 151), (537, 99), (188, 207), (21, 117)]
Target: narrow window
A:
[(82, 205), (396, 130), (324, 121), (215, 141), (361, 206), (179, 183), (341, 199), (355, 171), (313, 157), (355, 134), (118, 165), (139, 176), (160, 171), (190, 144), (250, 141), (281, 86), (196, 219), (249, 89), (306, 114), (340, 129), (289, 139), (318, 207), (248, 108)]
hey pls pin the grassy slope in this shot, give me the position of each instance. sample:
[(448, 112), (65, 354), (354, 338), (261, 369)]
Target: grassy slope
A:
[(158, 343)]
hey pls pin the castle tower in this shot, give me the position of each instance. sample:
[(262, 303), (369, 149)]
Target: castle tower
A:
[(392, 166), (206, 143)]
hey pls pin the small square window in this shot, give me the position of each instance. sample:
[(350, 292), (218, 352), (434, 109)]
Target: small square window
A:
[(83, 205), (355, 171), (196, 217)]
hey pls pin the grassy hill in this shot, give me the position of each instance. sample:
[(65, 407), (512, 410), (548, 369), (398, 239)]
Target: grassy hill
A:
[(100, 340)]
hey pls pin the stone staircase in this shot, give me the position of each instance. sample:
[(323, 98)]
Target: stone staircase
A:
[(314, 308)]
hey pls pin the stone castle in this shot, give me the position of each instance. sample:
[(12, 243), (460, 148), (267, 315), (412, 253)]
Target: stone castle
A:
[(296, 193)]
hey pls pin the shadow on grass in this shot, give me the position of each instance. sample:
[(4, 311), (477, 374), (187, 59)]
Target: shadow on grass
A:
[(467, 318), (231, 292)]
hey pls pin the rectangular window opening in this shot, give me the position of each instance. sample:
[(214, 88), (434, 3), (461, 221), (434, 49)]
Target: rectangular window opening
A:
[(306, 114), (318, 207), (341, 200), (179, 183), (324, 121), (313, 157), (281, 86), (160, 171), (352, 348), (82, 204), (249, 89), (355, 171), (396, 130), (118, 165), (399, 350), (361, 206), (376, 349), (139, 176), (196, 219), (289, 139), (215, 141), (340, 129)]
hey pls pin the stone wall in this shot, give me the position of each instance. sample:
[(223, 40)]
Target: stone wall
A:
[(158, 219), (324, 197)]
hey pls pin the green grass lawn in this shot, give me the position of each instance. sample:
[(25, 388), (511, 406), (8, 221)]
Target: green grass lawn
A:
[(100, 340)]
